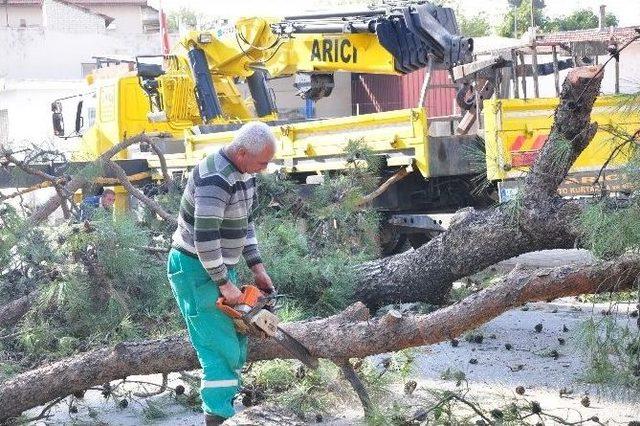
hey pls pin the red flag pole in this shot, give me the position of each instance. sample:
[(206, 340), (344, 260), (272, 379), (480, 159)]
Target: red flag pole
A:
[(164, 31)]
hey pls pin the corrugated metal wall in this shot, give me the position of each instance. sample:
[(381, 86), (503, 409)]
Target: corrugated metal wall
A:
[(376, 93)]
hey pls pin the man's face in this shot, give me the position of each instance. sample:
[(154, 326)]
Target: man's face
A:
[(255, 163), (108, 199)]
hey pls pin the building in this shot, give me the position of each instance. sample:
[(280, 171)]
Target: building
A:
[(120, 16)]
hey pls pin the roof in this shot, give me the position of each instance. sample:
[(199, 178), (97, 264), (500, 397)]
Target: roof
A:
[(606, 35), (107, 19), (82, 2)]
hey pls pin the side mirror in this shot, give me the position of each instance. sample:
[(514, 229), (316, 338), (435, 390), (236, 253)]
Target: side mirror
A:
[(57, 119), (79, 118)]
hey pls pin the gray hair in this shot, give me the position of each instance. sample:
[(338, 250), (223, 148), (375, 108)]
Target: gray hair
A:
[(254, 136)]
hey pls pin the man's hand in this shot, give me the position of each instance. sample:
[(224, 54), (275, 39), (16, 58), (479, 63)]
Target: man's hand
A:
[(232, 295), (262, 279)]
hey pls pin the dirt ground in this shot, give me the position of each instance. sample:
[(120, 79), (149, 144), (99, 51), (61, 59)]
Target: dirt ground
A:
[(490, 381)]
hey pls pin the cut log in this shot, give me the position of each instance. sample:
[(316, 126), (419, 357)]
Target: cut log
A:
[(350, 334)]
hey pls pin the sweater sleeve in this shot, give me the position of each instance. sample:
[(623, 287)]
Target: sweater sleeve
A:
[(250, 252), (211, 197)]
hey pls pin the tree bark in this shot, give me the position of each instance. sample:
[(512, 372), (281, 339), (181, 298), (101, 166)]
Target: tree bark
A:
[(350, 334), (538, 220), (11, 313)]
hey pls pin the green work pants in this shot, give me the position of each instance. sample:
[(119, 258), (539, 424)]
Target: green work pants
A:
[(221, 350)]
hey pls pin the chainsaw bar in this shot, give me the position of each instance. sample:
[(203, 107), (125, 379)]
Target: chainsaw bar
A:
[(296, 348)]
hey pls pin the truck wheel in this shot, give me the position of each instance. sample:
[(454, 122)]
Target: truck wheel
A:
[(391, 241), (417, 240)]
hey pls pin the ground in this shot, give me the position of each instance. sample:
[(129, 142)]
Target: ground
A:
[(491, 382)]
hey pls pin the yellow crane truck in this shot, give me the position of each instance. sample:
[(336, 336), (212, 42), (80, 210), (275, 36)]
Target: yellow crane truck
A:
[(193, 95)]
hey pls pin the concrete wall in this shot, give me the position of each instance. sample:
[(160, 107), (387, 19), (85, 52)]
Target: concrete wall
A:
[(28, 109), (10, 16), (128, 18), (338, 104), (69, 19), (36, 53)]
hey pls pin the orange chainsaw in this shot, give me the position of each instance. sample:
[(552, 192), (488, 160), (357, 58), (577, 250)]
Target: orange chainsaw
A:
[(254, 314)]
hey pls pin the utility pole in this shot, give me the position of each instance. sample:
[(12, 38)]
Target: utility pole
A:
[(533, 7)]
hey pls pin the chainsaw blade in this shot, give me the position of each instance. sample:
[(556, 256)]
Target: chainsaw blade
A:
[(296, 348)]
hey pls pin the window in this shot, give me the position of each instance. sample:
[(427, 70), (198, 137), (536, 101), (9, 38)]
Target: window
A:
[(23, 23)]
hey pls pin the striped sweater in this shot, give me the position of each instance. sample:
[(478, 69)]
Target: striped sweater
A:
[(215, 221)]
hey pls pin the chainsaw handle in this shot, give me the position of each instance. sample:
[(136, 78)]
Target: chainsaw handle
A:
[(250, 297), (228, 310)]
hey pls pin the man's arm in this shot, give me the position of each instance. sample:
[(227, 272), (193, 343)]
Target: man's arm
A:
[(251, 254)]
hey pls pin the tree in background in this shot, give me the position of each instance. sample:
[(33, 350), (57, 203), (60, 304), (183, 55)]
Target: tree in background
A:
[(581, 19), (521, 13), (473, 26), (190, 19)]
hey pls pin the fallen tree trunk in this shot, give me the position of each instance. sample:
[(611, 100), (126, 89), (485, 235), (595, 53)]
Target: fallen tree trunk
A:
[(537, 220), (13, 311), (346, 335)]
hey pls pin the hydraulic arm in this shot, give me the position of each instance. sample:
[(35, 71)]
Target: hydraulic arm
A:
[(391, 40)]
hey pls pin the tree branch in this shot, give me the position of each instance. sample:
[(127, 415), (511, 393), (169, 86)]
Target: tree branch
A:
[(324, 338), (121, 175), (78, 179)]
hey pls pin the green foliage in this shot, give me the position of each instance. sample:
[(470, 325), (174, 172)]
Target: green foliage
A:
[(474, 26), (290, 310), (107, 290), (274, 376), (184, 15), (609, 231), (581, 19), (613, 351), (190, 19), (561, 150), (26, 255), (455, 375), (153, 412), (8, 369), (521, 13), (310, 394), (513, 209), (384, 416), (289, 384), (308, 242)]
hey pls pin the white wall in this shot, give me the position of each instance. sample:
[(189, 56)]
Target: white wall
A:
[(69, 19), (37, 53), (28, 105), (128, 17), (10, 15), (338, 104)]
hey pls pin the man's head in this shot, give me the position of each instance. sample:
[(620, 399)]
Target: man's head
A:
[(253, 147), (107, 198)]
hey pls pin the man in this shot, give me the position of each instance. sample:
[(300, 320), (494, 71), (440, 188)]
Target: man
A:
[(92, 203), (215, 227)]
